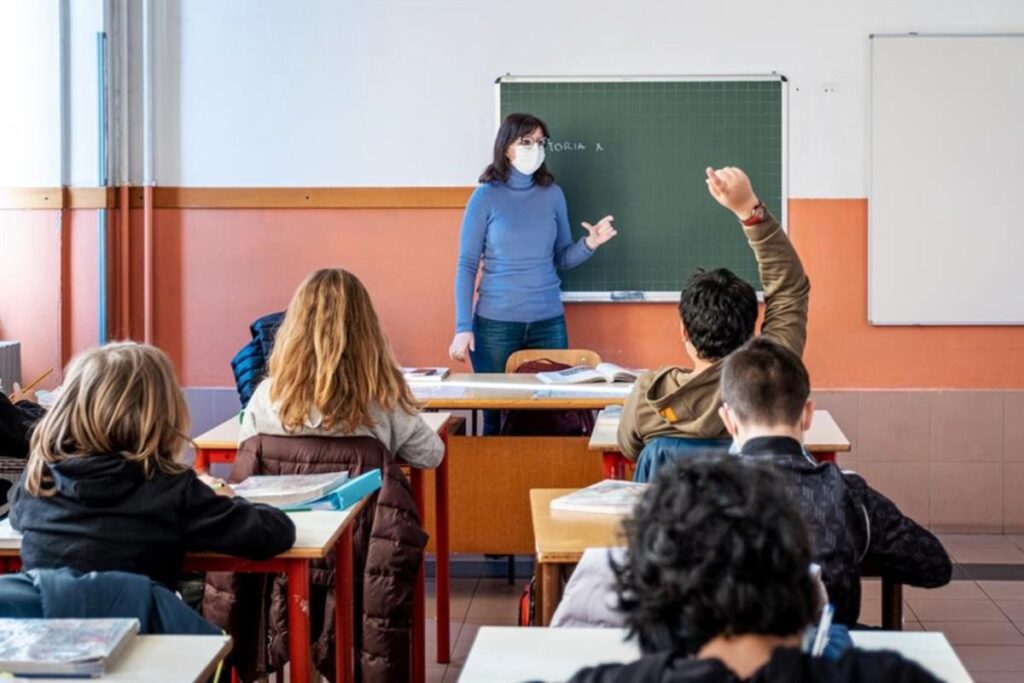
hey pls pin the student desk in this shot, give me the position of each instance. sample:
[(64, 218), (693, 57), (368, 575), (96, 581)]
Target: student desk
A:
[(508, 654), (823, 440), (317, 534), (562, 537), (163, 659), (220, 445)]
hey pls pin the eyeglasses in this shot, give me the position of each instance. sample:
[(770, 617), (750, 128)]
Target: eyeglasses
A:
[(530, 143)]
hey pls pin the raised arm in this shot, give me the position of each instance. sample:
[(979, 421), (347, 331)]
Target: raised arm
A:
[(785, 284)]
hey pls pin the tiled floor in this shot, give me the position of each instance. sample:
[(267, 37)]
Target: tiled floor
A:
[(981, 611)]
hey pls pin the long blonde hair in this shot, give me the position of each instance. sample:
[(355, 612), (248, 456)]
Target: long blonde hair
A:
[(331, 355), (120, 398)]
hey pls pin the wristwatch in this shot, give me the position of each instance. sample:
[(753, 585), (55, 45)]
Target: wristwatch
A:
[(757, 214)]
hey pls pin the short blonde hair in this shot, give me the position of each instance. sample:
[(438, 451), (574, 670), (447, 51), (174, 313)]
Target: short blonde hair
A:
[(330, 354), (120, 398)]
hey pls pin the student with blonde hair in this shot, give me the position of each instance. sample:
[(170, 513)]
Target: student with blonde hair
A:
[(332, 373), (106, 489)]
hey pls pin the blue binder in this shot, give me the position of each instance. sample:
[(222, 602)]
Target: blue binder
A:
[(343, 497)]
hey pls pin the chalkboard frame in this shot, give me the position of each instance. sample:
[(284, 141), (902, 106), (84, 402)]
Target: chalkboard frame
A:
[(782, 211)]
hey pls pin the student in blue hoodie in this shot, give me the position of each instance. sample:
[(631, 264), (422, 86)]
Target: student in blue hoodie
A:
[(517, 223), (106, 488)]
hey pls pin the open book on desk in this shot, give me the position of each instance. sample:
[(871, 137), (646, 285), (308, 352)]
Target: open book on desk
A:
[(582, 374), (288, 489), (608, 497)]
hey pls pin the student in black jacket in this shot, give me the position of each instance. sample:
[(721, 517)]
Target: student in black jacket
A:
[(765, 391), (716, 589), (106, 489)]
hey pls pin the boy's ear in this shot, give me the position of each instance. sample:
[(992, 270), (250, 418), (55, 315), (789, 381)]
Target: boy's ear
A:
[(683, 333), (730, 424), (808, 415)]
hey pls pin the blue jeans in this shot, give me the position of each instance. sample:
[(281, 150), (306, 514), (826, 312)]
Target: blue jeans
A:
[(496, 340)]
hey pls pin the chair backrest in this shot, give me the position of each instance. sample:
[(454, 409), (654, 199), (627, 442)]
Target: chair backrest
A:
[(665, 449), (570, 357)]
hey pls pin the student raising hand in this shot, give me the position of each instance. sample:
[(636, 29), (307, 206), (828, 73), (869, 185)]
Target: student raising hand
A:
[(731, 188)]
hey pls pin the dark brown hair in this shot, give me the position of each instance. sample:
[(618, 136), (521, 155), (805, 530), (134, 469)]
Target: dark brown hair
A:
[(765, 383), (515, 126)]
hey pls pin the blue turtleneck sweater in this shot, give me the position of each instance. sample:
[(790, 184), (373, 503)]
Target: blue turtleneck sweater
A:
[(521, 231)]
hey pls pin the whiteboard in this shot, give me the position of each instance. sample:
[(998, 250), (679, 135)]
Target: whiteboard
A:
[(946, 189)]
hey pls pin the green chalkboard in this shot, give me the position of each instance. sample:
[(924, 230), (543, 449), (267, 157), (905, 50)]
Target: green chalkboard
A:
[(637, 149)]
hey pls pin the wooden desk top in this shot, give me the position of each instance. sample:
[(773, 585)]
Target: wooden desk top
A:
[(224, 437), (561, 537), (501, 654), (824, 436), (316, 532), (159, 659), (511, 391)]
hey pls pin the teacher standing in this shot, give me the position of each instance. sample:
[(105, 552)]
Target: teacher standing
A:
[(518, 223)]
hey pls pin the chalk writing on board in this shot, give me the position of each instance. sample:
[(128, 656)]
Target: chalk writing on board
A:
[(572, 146)]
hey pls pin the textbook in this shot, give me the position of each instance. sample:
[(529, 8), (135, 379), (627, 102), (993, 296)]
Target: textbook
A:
[(608, 497), (424, 374), (289, 489), (342, 497), (581, 374), (63, 647)]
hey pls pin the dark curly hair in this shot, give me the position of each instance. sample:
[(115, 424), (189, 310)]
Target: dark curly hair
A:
[(719, 311), (515, 126), (715, 548)]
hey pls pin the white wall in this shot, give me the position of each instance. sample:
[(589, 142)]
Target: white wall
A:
[(400, 92), (30, 83), (389, 92)]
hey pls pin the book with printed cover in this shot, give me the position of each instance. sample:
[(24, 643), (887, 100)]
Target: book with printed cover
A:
[(608, 497), (63, 647), (582, 374), (289, 489)]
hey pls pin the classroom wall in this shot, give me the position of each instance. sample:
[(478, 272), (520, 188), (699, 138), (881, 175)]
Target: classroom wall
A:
[(315, 93)]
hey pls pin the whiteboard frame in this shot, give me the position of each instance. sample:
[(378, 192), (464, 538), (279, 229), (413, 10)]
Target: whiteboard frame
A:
[(661, 296), (870, 164)]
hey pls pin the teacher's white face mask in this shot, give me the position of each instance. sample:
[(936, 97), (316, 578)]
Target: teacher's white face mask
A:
[(527, 161)]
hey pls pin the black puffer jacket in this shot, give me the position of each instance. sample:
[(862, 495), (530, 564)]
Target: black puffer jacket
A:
[(388, 551), (786, 666), (852, 523)]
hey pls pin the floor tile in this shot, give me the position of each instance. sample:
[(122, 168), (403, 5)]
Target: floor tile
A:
[(977, 632), (1003, 590), (995, 676), (957, 610), (963, 590), (453, 673), (1014, 609), (1009, 554), (979, 658), (461, 595), (994, 540)]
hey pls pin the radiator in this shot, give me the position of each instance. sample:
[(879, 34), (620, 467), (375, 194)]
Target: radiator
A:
[(10, 365)]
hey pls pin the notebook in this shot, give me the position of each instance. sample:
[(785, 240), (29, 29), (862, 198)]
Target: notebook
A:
[(424, 374), (608, 497), (63, 647), (289, 489), (344, 496)]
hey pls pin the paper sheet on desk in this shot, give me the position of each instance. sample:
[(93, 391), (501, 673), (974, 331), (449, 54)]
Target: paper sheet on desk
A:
[(7, 532), (436, 391)]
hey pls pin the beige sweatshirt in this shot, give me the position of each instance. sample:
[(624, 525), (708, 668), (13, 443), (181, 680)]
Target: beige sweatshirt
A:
[(673, 401), (406, 436)]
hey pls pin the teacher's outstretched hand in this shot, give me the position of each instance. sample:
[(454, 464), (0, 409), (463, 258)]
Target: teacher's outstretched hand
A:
[(600, 233)]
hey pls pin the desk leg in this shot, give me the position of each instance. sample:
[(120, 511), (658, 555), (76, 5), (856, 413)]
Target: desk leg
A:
[(202, 461), (298, 621), (550, 590), (344, 624), (614, 465), (419, 597), (442, 575), (892, 605)]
